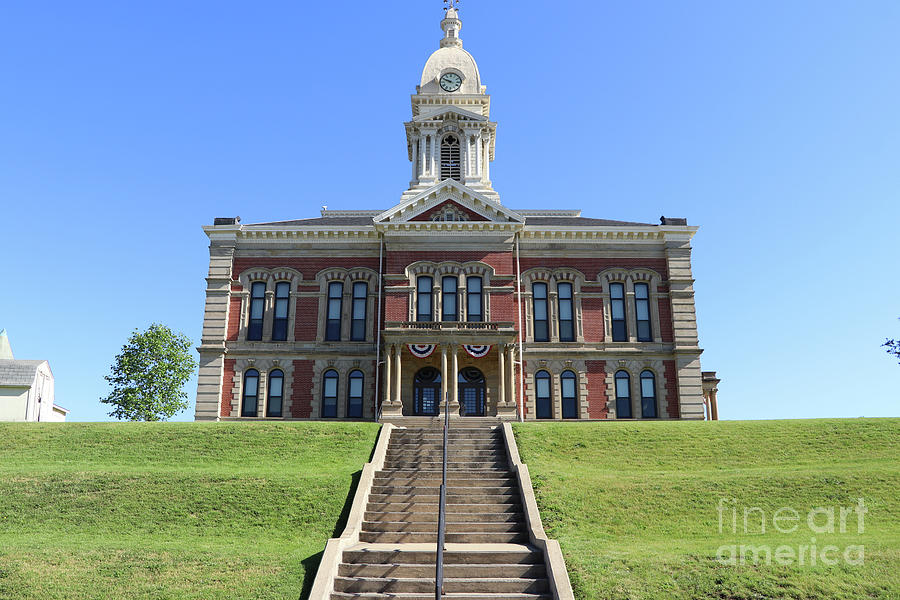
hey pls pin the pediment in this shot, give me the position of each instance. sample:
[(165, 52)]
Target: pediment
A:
[(444, 111), (453, 197)]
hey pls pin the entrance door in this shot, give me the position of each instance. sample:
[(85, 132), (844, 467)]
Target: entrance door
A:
[(472, 392), (427, 392)]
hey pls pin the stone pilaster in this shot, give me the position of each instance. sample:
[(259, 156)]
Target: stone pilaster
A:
[(684, 325)]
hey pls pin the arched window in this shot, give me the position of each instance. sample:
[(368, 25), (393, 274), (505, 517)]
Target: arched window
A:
[(542, 394), (617, 299), (449, 307), (275, 397), (648, 395), (450, 158), (280, 322), (472, 392), (642, 312), (623, 395), (330, 394), (569, 383), (257, 310), (250, 399), (424, 298), (566, 313), (474, 300), (360, 299), (335, 307), (541, 324), (355, 395), (426, 391)]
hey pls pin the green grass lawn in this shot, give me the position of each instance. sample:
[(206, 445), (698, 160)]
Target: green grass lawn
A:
[(635, 505), (172, 510)]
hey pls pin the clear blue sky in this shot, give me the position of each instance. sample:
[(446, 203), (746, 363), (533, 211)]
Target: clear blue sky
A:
[(125, 127)]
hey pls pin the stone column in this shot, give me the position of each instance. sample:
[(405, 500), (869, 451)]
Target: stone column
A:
[(387, 376), (454, 382), (511, 387), (501, 399), (714, 404), (444, 374), (415, 162), (398, 375)]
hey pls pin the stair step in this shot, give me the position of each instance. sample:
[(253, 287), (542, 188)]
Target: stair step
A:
[(435, 489), (451, 557), (424, 584), (447, 596), (484, 526), (412, 517), (422, 537), (454, 481), (432, 507), (451, 498), (404, 571)]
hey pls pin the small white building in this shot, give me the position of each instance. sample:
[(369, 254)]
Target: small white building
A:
[(26, 388)]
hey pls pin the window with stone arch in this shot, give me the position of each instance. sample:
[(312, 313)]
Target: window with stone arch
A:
[(648, 395), (623, 395), (275, 397), (355, 395), (543, 397), (569, 391), (450, 163), (250, 396), (280, 319), (257, 310), (330, 394)]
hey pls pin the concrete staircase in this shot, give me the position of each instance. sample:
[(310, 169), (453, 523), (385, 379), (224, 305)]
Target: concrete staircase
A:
[(487, 553)]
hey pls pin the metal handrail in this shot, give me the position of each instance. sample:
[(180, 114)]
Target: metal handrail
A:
[(442, 509)]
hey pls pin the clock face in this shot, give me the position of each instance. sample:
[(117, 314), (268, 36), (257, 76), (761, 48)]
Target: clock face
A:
[(450, 82)]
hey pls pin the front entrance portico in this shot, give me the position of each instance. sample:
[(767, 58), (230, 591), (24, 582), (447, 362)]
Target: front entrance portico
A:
[(472, 364)]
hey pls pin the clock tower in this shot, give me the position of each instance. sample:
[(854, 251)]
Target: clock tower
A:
[(451, 135)]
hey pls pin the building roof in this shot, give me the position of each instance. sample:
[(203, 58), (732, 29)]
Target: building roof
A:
[(359, 221), (18, 373)]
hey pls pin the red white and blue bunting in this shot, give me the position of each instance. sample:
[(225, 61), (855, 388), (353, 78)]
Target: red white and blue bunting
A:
[(421, 350), (477, 351)]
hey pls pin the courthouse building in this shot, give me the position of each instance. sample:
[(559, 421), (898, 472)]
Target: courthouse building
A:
[(534, 314)]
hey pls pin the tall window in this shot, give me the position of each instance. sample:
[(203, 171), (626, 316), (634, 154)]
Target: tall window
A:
[(617, 299), (355, 395), (542, 392), (449, 307), (648, 395), (424, 298), (275, 397), (250, 400), (450, 158), (541, 325), (330, 394), (360, 299), (474, 300), (335, 306), (623, 395), (280, 322), (566, 314), (642, 310), (257, 310), (569, 383)]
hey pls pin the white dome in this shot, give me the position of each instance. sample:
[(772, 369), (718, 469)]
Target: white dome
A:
[(452, 59)]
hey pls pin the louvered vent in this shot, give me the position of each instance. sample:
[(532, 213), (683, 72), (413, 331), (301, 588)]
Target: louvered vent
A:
[(450, 167)]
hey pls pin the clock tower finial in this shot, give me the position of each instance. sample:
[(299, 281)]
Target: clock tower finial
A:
[(451, 25)]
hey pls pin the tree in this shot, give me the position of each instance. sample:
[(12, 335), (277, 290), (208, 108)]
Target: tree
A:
[(148, 375), (893, 347)]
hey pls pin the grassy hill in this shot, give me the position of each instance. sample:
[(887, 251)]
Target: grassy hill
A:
[(162, 511), (635, 505)]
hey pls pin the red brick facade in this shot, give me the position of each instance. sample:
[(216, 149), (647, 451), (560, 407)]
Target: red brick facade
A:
[(596, 383), (301, 389)]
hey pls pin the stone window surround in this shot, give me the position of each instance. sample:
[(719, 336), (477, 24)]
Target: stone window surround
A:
[(629, 277), (634, 368), (264, 366), (437, 271), (343, 367), (552, 277), (348, 277), (556, 368), (270, 277)]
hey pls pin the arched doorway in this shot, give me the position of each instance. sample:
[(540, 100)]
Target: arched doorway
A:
[(426, 392), (472, 392)]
